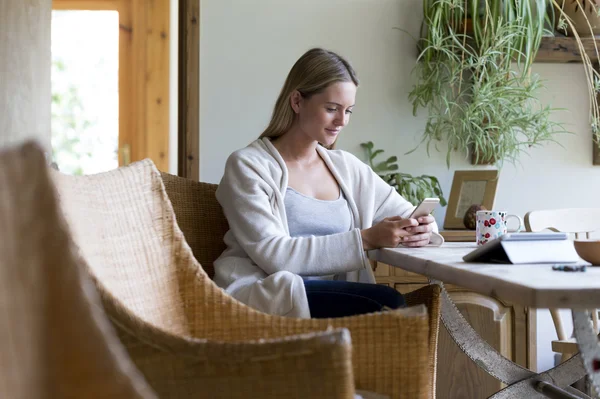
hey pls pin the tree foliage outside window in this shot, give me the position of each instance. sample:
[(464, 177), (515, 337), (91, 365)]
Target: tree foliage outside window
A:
[(68, 124), (85, 98)]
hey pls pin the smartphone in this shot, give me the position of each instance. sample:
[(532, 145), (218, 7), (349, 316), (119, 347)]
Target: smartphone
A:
[(425, 207)]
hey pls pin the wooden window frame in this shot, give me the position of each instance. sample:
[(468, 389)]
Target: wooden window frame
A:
[(143, 75), (188, 154)]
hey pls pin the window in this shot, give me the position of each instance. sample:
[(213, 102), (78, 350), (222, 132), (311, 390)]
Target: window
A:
[(110, 83)]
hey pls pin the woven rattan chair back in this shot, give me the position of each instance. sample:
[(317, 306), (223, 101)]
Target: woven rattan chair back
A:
[(55, 339), (124, 225), (199, 216)]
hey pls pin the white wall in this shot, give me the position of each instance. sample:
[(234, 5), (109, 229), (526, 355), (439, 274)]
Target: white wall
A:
[(248, 47), (25, 72)]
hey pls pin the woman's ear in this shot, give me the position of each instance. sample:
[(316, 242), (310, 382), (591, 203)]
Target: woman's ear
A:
[(296, 100)]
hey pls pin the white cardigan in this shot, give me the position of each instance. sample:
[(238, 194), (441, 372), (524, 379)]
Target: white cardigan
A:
[(262, 264)]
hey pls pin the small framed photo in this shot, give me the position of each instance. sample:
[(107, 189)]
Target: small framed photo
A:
[(470, 187)]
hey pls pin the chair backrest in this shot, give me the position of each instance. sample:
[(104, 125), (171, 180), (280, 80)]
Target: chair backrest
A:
[(123, 224), (578, 221), (55, 339), (199, 216)]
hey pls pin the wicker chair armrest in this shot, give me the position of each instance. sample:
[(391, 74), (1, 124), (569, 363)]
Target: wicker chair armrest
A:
[(429, 296), (393, 352), (314, 365)]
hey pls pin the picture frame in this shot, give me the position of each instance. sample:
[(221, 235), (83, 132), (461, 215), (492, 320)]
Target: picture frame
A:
[(469, 187)]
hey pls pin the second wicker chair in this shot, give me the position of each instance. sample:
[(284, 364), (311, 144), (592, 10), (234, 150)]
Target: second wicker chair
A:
[(162, 300)]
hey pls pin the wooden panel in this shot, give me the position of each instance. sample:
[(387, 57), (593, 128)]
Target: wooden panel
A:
[(189, 90), (406, 276), (156, 37), (530, 335), (96, 5), (380, 269), (127, 92), (148, 136), (138, 139), (563, 49), (457, 376), (595, 149), (25, 71), (521, 353)]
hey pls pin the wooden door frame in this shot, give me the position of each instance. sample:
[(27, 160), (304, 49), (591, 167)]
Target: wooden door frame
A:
[(143, 75), (188, 145)]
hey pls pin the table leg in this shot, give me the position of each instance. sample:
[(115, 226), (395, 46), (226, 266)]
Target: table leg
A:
[(589, 348), (522, 382)]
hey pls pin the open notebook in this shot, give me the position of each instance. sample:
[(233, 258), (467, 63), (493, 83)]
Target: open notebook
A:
[(526, 248)]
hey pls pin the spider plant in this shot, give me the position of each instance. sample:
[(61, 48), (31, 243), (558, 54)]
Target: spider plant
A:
[(477, 86), (592, 74)]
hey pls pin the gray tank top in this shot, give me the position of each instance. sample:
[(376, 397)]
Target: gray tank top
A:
[(307, 216)]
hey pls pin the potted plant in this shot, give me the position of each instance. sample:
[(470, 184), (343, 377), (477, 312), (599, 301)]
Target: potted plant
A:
[(477, 86), (413, 188)]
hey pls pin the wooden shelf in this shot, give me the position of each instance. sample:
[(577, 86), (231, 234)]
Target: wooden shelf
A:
[(563, 49)]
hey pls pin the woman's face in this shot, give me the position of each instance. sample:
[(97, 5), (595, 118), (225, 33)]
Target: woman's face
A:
[(323, 116)]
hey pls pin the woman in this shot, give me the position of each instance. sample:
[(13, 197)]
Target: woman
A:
[(301, 216)]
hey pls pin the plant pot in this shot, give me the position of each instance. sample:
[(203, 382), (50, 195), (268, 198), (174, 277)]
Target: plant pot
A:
[(477, 159), (479, 16), (460, 27), (578, 16)]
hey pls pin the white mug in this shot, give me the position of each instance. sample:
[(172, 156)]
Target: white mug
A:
[(492, 224)]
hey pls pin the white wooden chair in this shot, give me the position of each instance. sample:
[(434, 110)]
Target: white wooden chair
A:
[(580, 222)]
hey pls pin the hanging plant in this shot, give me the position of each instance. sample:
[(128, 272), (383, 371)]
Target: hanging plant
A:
[(477, 87)]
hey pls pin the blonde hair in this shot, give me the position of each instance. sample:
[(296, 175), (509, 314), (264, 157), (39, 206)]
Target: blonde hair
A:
[(310, 75)]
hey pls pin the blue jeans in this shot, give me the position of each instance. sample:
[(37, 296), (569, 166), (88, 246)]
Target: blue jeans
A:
[(328, 298)]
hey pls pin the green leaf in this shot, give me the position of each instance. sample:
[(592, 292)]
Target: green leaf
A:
[(412, 188), (375, 153)]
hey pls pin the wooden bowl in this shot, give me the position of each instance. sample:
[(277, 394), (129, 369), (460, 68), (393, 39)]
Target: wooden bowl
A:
[(588, 250)]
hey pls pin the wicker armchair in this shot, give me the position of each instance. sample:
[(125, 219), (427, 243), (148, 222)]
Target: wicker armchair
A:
[(162, 300), (55, 339)]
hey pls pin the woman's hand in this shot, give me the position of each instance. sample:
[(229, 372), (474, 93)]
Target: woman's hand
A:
[(421, 234), (390, 232)]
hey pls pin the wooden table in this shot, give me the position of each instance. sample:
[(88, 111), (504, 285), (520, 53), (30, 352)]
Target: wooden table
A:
[(533, 285)]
